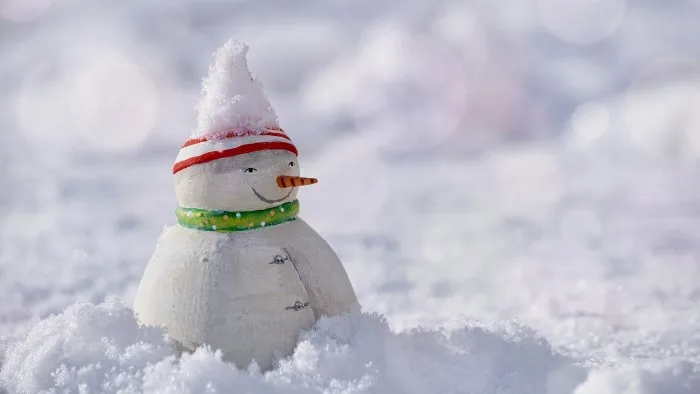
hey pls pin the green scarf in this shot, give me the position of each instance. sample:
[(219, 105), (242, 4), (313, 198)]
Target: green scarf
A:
[(227, 221)]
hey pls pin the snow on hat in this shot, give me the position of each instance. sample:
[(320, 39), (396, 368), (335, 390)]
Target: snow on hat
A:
[(234, 114)]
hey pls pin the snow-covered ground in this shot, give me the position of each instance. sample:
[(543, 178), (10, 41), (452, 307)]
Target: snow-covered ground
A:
[(512, 186)]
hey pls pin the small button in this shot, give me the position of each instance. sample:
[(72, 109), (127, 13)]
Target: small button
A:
[(298, 305), (280, 259)]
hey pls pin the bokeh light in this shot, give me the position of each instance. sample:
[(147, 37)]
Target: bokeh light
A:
[(93, 99), (413, 87), (460, 26), (581, 22), (660, 109), (590, 121)]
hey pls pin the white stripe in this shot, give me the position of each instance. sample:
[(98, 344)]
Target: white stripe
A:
[(224, 144)]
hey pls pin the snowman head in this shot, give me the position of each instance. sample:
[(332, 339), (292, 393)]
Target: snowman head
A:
[(238, 173), (238, 158)]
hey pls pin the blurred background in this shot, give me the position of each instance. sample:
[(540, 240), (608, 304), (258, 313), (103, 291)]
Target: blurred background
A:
[(482, 160)]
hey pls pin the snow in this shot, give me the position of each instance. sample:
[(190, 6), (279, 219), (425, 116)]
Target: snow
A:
[(549, 222), (94, 347), (661, 377), (231, 98), (99, 348)]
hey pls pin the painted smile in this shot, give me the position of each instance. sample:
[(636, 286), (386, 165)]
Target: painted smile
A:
[(263, 199)]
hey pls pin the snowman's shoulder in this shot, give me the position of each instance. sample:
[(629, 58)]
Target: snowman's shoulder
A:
[(301, 232), (191, 238), (182, 242), (297, 228)]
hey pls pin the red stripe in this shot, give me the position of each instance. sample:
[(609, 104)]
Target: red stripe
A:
[(236, 133), (282, 134), (215, 155)]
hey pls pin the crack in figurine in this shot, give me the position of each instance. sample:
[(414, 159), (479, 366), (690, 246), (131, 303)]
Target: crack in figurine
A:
[(210, 280)]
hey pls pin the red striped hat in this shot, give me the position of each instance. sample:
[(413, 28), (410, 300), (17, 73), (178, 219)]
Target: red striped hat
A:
[(236, 142)]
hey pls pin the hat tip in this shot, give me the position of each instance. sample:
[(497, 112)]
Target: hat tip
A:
[(231, 98), (234, 47)]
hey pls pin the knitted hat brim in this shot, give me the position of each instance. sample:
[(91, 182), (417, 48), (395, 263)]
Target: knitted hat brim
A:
[(203, 150)]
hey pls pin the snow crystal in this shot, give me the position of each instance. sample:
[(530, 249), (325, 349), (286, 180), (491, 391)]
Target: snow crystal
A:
[(232, 99), (100, 348)]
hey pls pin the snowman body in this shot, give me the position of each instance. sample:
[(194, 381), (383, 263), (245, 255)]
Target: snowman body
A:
[(247, 292)]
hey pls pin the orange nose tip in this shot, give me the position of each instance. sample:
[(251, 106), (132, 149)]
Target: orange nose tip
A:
[(285, 181)]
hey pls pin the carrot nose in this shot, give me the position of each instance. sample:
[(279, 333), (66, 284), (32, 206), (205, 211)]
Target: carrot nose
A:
[(285, 181)]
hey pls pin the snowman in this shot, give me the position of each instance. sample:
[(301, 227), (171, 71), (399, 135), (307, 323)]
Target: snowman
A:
[(240, 272)]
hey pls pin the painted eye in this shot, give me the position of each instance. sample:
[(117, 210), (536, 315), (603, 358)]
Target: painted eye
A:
[(250, 170), (291, 164)]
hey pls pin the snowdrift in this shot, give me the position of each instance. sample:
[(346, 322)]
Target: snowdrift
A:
[(101, 348)]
